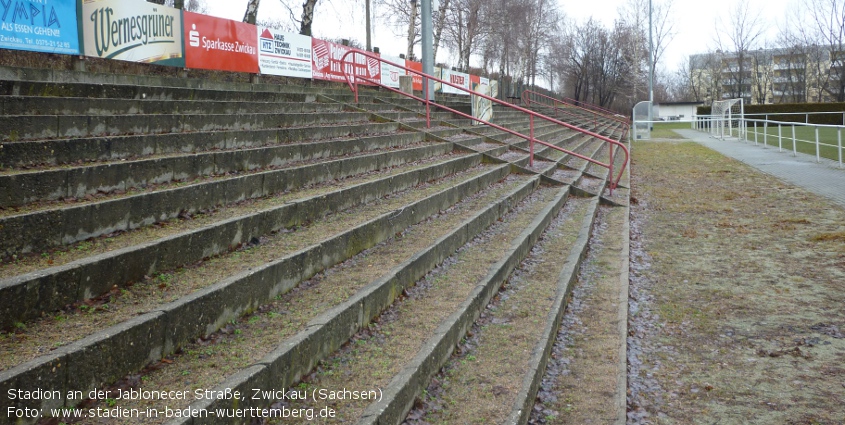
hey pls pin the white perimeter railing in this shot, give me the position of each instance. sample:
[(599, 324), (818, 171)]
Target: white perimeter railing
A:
[(817, 137)]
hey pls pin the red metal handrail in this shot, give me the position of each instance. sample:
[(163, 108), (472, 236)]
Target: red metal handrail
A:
[(352, 81), (578, 104)]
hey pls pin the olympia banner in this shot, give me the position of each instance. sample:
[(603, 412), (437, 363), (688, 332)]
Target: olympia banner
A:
[(39, 26), (135, 31), (222, 44)]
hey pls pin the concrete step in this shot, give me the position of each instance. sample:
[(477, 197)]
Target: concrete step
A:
[(80, 150), (56, 183), (197, 311), (37, 127), (45, 228), (39, 285), (493, 374), (429, 311)]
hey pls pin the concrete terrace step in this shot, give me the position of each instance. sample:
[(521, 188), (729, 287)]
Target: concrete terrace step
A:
[(425, 311), (184, 234), (35, 127), (41, 285), (47, 228), (492, 376), (77, 182), (98, 149), (33, 105), (168, 327)]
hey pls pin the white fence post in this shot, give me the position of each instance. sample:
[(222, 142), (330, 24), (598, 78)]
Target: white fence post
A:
[(755, 133), (766, 134), (780, 139), (794, 142), (818, 154)]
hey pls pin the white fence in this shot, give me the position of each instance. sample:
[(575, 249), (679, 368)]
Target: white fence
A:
[(819, 139)]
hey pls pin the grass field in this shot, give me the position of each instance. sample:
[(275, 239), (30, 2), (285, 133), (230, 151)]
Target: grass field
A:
[(805, 139), (663, 130)]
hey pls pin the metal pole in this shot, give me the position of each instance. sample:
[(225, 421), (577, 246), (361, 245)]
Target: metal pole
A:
[(839, 138), (766, 134), (650, 70), (531, 141), (794, 142), (369, 28), (818, 156), (427, 47), (755, 133), (780, 139)]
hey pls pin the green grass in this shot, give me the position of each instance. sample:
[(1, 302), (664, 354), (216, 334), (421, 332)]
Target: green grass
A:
[(805, 139), (664, 130)]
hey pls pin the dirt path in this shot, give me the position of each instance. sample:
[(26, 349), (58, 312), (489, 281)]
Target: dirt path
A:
[(737, 308)]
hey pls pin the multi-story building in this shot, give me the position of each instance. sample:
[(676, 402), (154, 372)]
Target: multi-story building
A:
[(784, 75)]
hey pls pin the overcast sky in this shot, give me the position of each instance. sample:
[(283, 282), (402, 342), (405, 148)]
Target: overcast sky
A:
[(694, 21)]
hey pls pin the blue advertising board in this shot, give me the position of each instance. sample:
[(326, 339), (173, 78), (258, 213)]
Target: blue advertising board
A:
[(39, 25)]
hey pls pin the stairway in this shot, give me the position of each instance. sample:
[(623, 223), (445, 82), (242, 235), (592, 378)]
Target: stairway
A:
[(176, 235)]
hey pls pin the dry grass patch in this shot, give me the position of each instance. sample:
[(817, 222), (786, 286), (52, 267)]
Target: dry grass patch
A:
[(738, 311)]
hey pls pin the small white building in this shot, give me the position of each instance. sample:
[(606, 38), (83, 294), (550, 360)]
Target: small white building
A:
[(678, 111)]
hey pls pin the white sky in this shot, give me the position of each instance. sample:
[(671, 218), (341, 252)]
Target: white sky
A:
[(694, 21)]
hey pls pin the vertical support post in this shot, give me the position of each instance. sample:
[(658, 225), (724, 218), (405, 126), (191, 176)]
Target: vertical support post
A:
[(755, 134), (839, 144), (610, 176), (531, 141), (818, 154), (427, 103), (780, 139), (794, 142), (427, 46), (766, 134), (356, 88)]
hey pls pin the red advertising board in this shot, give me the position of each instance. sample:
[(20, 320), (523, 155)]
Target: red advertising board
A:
[(326, 65), (222, 44), (416, 66)]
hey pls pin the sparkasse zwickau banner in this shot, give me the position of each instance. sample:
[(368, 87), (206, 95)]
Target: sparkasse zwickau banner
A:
[(221, 44), (135, 31), (39, 26)]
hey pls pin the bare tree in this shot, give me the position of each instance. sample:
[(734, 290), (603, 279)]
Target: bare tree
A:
[(740, 37), (464, 28), (827, 20)]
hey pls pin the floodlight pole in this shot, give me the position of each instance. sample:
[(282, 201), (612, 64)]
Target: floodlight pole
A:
[(427, 54), (650, 68), (369, 27)]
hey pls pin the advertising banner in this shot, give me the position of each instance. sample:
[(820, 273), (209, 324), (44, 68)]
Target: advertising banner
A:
[(416, 66), (39, 26), (458, 78), (285, 54), (221, 44), (481, 108), (135, 31), (326, 58), (390, 74)]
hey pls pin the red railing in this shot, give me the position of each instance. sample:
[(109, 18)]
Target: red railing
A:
[(588, 107), (352, 81)]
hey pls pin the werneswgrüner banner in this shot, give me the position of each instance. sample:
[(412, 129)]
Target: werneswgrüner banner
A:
[(135, 31)]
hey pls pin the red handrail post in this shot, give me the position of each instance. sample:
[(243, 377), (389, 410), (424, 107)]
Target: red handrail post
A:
[(610, 170), (427, 104), (531, 141)]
